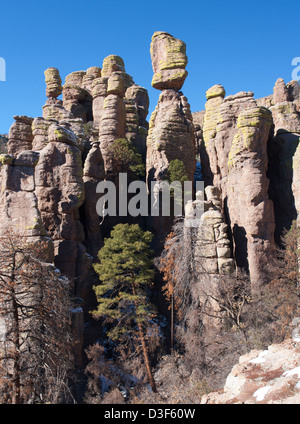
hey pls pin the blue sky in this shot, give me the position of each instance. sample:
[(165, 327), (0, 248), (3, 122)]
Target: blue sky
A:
[(243, 45)]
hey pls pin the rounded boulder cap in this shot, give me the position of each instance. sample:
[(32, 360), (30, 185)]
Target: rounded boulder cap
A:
[(215, 91)]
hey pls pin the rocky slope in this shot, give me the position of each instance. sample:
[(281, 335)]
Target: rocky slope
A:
[(270, 376)]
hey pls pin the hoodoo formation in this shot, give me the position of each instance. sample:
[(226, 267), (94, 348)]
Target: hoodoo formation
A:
[(249, 154)]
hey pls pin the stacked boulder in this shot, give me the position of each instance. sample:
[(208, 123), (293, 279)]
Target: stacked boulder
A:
[(213, 253), (169, 61), (171, 132), (120, 108), (53, 108)]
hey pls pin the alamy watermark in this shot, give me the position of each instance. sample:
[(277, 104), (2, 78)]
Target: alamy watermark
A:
[(2, 69), (161, 199)]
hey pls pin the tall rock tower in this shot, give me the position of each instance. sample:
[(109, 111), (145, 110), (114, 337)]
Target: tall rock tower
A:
[(234, 158), (171, 132)]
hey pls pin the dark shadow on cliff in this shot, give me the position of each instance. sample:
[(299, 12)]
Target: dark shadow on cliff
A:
[(238, 241), (281, 149), (240, 248), (207, 175)]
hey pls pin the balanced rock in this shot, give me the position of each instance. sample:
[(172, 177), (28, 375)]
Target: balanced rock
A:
[(53, 82), (169, 60)]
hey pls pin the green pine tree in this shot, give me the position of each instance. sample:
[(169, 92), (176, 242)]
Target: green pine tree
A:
[(176, 171), (125, 271), (127, 159)]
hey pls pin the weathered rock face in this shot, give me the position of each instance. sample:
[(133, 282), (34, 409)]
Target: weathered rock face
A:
[(40, 128), (208, 154), (227, 163), (54, 163), (99, 92), (168, 61), (213, 253), (280, 92), (113, 117), (198, 119), (263, 377), (171, 132), (294, 93), (53, 83), (60, 193), (171, 136), (54, 110), (88, 78), (234, 158), (137, 107), (112, 126), (226, 129), (42, 190), (18, 203), (76, 98), (212, 261), (282, 150), (93, 174), (111, 64), (120, 108), (20, 135), (250, 209)]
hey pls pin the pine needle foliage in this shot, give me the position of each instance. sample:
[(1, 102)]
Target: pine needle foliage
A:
[(127, 159), (126, 274)]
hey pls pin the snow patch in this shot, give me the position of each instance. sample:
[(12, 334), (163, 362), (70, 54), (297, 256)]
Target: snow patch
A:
[(260, 358), (261, 393), (292, 372)]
